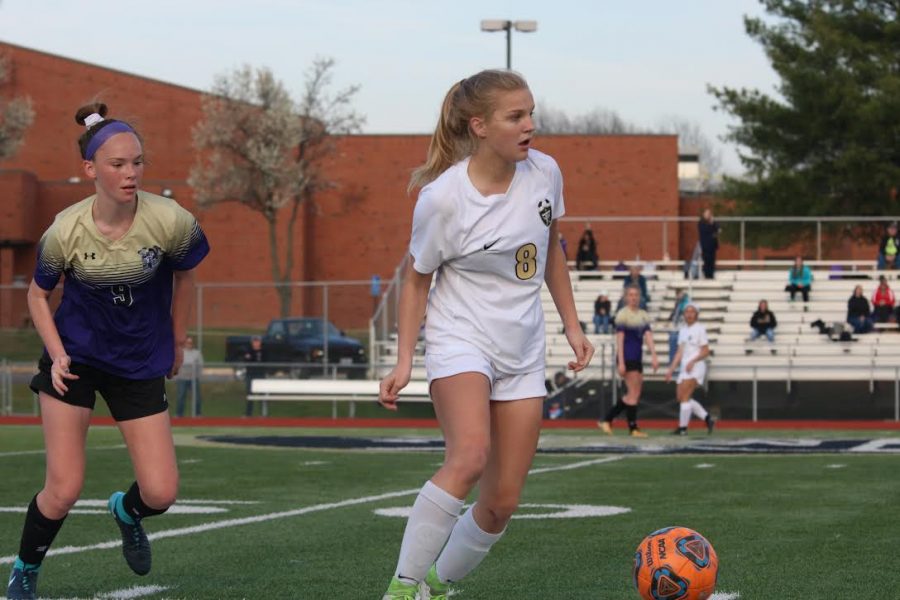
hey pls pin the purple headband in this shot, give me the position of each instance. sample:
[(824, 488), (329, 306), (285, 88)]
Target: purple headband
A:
[(104, 134)]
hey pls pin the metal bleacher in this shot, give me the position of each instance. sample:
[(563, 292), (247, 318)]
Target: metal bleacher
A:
[(800, 352)]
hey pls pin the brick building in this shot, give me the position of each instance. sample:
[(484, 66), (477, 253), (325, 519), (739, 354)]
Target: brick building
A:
[(353, 232)]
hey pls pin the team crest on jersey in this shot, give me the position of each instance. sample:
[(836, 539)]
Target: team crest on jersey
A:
[(150, 257), (545, 211)]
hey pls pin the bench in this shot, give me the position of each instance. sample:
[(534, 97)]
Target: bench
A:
[(333, 390)]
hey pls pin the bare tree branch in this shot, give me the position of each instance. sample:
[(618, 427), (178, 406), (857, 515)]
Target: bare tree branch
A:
[(258, 147)]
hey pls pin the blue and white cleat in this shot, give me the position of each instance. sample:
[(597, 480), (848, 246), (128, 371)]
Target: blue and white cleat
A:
[(135, 545), (23, 581)]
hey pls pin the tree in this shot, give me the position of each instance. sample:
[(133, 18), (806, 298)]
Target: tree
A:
[(599, 121), (16, 116), (830, 143), (258, 147)]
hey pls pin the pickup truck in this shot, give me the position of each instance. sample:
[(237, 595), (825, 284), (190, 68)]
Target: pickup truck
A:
[(302, 340)]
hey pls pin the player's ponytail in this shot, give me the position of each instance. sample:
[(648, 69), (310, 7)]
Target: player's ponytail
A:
[(453, 140)]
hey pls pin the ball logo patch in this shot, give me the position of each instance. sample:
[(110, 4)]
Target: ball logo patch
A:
[(545, 211)]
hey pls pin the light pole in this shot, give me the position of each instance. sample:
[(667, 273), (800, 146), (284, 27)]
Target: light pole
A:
[(508, 26)]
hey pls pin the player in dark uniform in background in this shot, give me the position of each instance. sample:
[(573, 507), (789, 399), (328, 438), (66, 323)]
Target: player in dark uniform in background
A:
[(632, 332), (127, 257)]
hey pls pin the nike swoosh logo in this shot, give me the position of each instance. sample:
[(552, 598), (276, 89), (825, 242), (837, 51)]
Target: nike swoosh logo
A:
[(491, 245)]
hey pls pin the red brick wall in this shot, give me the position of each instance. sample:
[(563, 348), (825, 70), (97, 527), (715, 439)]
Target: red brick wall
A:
[(354, 231)]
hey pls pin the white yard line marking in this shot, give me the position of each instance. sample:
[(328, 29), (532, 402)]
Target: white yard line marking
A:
[(137, 591), (704, 466), (42, 451), (578, 465), (835, 466), (551, 511), (228, 523), (724, 596)]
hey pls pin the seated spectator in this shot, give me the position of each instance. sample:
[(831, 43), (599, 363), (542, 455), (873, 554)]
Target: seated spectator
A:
[(602, 316), (676, 318), (799, 280), (634, 277), (586, 256), (883, 302), (859, 314), (763, 322), (565, 246), (889, 247)]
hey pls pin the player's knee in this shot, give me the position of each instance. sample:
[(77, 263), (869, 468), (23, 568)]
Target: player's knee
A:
[(500, 510), (57, 499), (467, 462), (160, 495)]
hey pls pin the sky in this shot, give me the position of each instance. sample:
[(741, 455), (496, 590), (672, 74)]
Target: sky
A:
[(647, 60)]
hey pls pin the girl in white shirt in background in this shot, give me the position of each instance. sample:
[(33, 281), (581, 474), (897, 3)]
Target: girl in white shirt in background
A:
[(693, 348)]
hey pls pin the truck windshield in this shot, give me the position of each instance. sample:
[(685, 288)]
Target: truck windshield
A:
[(310, 328)]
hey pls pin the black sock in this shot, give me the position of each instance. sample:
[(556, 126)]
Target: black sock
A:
[(134, 505), (37, 534), (614, 411), (631, 415)]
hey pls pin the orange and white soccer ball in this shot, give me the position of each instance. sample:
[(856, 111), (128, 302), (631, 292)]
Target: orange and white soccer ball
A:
[(675, 563)]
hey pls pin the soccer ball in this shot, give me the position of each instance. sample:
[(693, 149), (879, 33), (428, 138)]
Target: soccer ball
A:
[(675, 563)]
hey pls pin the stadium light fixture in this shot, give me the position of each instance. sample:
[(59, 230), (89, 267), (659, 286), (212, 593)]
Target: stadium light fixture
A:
[(492, 25)]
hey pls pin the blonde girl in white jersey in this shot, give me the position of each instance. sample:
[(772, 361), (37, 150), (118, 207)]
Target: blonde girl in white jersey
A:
[(483, 221), (693, 349)]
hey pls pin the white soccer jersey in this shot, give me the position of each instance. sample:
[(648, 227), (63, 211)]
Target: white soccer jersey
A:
[(692, 339), (490, 253)]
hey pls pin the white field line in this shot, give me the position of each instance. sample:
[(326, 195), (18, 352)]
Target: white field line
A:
[(137, 591), (228, 523), (42, 451), (724, 596)]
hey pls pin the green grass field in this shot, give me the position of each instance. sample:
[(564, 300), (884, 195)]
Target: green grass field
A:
[(784, 526)]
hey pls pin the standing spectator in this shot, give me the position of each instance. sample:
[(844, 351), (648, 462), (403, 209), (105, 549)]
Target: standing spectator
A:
[(676, 319), (634, 278), (859, 313), (188, 378), (709, 242), (883, 302), (763, 322), (253, 355), (799, 280), (602, 316), (586, 257), (889, 247)]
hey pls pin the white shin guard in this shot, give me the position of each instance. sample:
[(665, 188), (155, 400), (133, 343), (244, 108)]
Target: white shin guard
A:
[(431, 520), (684, 414), (698, 409), (466, 548)]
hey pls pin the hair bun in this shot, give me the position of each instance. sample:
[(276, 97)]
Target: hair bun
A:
[(88, 109)]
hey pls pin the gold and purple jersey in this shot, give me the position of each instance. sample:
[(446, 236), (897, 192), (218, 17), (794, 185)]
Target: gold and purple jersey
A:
[(115, 312)]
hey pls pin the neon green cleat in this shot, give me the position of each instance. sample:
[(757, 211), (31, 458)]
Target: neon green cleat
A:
[(433, 588), (400, 590)]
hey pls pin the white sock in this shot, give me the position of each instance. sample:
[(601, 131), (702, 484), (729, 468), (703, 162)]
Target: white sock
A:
[(698, 409), (432, 518), (684, 414), (466, 548)]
